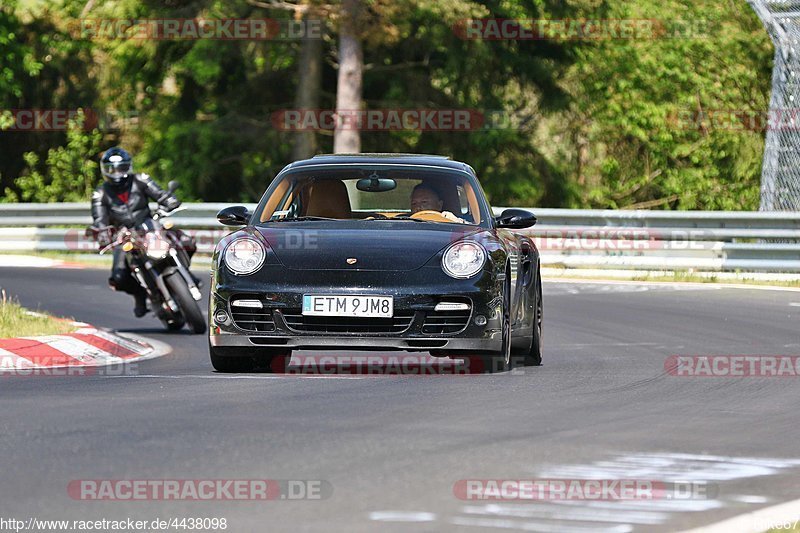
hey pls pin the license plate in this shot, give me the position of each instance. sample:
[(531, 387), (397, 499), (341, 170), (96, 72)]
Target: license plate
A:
[(356, 306)]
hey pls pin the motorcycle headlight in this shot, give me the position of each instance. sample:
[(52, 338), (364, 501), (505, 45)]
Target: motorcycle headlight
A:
[(156, 247), (244, 256), (463, 259)]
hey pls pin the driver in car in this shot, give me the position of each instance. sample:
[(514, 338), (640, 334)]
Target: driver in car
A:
[(425, 198)]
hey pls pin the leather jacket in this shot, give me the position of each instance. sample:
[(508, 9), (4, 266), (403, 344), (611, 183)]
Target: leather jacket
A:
[(127, 204)]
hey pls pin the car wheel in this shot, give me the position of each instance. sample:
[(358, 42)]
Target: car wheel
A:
[(501, 361), (534, 356), (234, 360)]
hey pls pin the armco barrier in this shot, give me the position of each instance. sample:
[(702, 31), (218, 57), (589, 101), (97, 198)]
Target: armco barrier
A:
[(649, 240)]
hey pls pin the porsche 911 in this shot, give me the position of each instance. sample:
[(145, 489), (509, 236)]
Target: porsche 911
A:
[(375, 252)]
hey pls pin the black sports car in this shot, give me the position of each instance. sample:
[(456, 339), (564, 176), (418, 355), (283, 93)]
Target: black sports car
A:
[(375, 251)]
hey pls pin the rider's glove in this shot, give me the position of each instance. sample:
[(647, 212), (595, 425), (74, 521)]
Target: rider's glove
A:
[(103, 239), (169, 203)]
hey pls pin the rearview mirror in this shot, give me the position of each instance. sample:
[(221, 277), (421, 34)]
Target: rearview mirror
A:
[(172, 186), (375, 184), (515, 219), (237, 215)]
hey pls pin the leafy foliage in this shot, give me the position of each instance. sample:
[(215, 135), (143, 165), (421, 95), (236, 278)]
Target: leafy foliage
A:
[(632, 99), (67, 175), (592, 123)]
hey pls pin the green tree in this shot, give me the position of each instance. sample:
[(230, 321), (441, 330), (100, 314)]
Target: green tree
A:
[(635, 143), (69, 173), (42, 67)]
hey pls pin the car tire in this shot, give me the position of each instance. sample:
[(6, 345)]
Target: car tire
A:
[(234, 360), (501, 361), (534, 356)]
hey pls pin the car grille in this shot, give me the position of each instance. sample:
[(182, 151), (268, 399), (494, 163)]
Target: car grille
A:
[(443, 322), (296, 321), (252, 319)]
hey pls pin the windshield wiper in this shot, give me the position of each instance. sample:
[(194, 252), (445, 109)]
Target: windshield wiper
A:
[(301, 219), (393, 219)]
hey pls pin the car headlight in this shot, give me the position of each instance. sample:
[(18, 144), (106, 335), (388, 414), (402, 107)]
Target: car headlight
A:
[(244, 256), (463, 259)]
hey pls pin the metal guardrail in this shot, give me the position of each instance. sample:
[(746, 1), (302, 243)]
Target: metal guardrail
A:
[(572, 238)]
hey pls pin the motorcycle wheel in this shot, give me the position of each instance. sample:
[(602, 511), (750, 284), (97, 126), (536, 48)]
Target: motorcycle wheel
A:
[(191, 311), (175, 325)]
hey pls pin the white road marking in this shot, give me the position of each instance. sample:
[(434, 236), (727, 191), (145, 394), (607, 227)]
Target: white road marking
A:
[(569, 287), (626, 515), (555, 511), (749, 498), (794, 304), (539, 527), (682, 284), (402, 516), (674, 467), (756, 521)]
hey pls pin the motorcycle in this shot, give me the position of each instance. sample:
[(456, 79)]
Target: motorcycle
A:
[(159, 262)]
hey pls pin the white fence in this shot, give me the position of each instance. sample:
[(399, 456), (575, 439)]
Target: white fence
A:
[(573, 238)]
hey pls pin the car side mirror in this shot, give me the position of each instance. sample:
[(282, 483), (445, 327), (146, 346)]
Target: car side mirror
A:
[(515, 219), (237, 215)]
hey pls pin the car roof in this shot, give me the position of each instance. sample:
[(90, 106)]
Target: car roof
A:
[(386, 159)]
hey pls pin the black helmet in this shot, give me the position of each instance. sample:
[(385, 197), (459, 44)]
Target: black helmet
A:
[(115, 165)]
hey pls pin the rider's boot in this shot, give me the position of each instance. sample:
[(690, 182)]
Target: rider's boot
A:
[(141, 305)]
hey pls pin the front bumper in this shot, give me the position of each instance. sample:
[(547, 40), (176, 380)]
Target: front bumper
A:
[(331, 342), (416, 292)]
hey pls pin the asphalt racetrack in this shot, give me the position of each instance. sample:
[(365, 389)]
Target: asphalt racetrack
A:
[(389, 452)]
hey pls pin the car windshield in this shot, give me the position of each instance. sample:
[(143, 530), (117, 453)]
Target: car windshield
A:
[(374, 193)]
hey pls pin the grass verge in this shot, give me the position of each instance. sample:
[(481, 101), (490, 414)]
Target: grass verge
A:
[(16, 321), (686, 277)]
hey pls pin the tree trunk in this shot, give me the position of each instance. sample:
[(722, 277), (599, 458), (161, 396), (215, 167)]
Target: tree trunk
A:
[(346, 137), (309, 81)]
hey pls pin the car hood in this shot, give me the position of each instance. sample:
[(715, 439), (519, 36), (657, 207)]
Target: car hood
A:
[(375, 245)]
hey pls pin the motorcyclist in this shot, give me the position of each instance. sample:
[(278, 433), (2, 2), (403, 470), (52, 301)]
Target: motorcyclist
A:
[(122, 201)]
